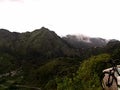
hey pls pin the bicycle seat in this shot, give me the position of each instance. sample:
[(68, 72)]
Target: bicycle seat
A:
[(107, 70)]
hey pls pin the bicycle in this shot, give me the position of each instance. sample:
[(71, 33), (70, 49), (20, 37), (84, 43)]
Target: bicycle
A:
[(110, 76)]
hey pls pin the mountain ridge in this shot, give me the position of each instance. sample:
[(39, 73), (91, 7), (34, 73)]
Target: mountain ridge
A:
[(40, 41), (81, 41), (75, 38)]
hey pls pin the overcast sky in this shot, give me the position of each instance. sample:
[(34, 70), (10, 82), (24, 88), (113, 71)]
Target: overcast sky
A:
[(96, 18)]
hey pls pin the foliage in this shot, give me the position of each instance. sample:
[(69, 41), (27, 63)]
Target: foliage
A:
[(88, 75), (44, 76), (6, 63), (47, 61)]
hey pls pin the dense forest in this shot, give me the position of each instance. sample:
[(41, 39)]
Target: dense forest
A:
[(41, 60)]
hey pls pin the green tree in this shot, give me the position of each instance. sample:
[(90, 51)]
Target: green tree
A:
[(88, 75)]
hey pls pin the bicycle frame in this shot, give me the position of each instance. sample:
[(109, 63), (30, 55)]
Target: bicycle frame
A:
[(110, 79)]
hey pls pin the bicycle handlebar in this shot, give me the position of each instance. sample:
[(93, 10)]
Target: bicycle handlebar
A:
[(113, 62)]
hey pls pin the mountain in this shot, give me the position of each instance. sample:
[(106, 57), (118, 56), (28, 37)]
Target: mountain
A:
[(45, 42), (7, 40), (81, 41), (42, 60), (41, 42), (37, 57)]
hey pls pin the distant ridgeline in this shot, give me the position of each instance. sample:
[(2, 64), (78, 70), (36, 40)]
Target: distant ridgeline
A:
[(45, 43), (42, 59), (81, 41)]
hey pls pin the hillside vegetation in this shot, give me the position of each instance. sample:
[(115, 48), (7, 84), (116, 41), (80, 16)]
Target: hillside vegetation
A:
[(42, 60)]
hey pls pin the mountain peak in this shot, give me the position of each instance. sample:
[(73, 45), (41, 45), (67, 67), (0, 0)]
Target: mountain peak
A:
[(4, 30), (44, 28)]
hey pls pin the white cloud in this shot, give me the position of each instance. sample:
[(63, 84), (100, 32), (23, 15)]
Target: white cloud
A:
[(90, 17)]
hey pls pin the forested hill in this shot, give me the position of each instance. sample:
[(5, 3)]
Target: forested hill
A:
[(42, 60), (42, 42)]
